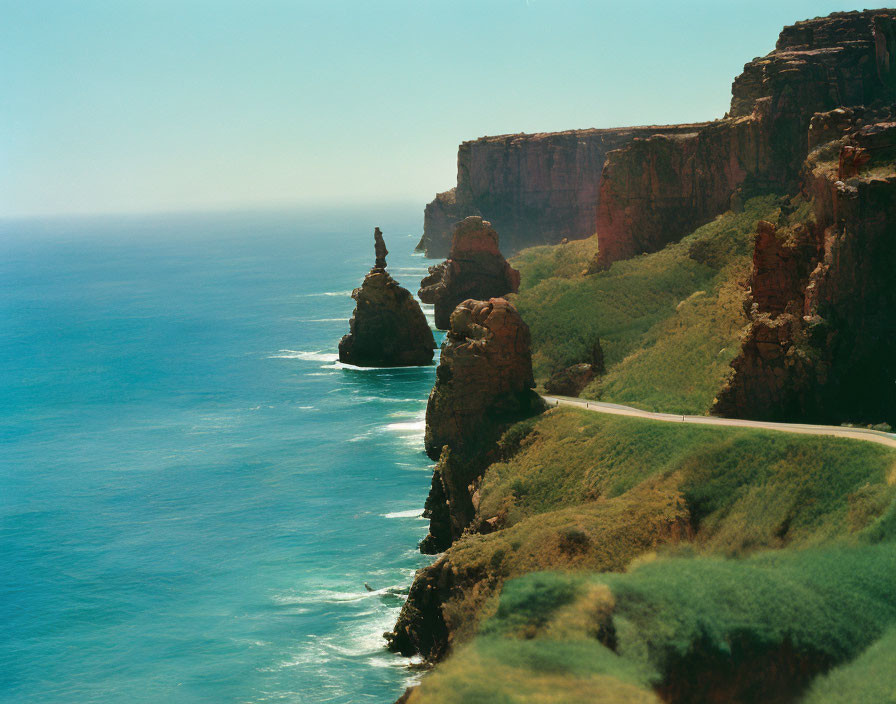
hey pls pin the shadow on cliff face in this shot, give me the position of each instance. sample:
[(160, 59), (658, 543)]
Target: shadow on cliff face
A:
[(821, 346)]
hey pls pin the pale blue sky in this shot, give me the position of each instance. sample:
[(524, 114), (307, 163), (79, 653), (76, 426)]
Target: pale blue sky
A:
[(127, 106)]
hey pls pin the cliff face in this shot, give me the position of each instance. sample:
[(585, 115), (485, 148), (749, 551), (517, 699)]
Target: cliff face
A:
[(387, 328), (540, 188), (483, 383), (656, 190), (822, 344), (534, 188), (475, 268)]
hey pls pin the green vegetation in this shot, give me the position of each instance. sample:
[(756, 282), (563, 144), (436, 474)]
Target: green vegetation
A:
[(669, 322), (566, 261), (871, 677), (616, 559), (743, 488), (693, 628), (588, 492)]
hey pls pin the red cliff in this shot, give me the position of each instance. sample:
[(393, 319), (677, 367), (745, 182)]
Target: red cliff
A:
[(534, 188), (822, 343), (656, 190)]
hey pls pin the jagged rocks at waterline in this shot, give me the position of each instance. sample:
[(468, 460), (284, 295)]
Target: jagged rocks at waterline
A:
[(483, 384), (387, 328), (475, 269)]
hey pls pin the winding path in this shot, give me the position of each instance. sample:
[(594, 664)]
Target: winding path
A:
[(875, 436)]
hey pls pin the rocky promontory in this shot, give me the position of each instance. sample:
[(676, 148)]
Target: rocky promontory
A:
[(475, 268), (387, 328), (822, 342), (483, 384)]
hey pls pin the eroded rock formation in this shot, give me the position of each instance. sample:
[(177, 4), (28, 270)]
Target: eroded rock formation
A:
[(656, 190), (483, 384), (534, 188), (822, 343), (475, 268), (387, 328)]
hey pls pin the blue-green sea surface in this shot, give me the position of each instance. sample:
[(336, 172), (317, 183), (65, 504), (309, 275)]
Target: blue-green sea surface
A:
[(192, 492)]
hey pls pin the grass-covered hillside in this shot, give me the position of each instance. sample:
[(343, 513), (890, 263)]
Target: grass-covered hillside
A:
[(669, 322), (813, 626), (623, 560)]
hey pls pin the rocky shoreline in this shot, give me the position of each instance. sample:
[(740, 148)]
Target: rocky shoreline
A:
[(814, 120)]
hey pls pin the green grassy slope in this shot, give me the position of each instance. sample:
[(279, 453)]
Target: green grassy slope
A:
[(690, 628), (588, 492), (669, 322)]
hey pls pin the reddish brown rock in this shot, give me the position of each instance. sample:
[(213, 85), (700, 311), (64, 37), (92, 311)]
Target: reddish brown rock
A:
[(570, 381), (828, 354), (387, 328), (534, 188), (654, 191), (484, 374), (483, 384), (475, 268), (780, 266)]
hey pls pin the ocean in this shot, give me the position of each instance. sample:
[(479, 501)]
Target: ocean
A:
[(193, 493)]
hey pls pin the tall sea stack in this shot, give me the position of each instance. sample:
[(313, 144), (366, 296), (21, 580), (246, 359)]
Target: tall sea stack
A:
[(387, 328)]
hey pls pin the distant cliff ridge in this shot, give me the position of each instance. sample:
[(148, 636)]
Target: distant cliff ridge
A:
[(533, 188), (641, 188)]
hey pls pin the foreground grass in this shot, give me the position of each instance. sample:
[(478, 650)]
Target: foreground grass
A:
[(583, 492), (669, 322), (690, 628)]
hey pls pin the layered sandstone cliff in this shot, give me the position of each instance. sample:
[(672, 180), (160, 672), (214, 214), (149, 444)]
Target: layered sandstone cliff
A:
[(387, 328), (822, 342), (534, 188), (656, 190), (475, 268)]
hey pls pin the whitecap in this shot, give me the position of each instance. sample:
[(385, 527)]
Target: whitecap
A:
[(352, 367), (413, 513), (387, 399), (324, 320), (410, 426), (331, 293), (316, 356)]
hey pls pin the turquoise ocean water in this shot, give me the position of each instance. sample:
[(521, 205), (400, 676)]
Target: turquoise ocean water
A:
[(192, 492)]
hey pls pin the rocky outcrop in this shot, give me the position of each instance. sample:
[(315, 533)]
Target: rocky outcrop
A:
[(387, 328), (822, 343), (475, 268), (534, 188), (656, 190), (483, 384), (572, 380)]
